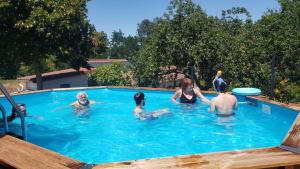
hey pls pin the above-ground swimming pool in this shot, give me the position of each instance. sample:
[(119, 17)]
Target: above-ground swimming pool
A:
[(109, 132)]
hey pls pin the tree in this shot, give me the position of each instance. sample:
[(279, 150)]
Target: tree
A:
[(171, 41), (131, 46), (100, 44), (117, 44), (40, 29), (144, 29), (123, 47), (190, 40)]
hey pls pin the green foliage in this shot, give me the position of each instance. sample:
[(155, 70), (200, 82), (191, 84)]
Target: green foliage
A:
[(121, 46), (32, 31), (100, 44), (117, 44), (49, 64), (144, 29), (115, 74), (287, 91), (189, 39)]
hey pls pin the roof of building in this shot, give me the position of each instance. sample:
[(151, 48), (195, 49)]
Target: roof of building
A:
[(58, 74), (106, 60), (70, 72)]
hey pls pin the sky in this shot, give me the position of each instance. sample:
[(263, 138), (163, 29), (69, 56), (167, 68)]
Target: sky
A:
[(110, 15)]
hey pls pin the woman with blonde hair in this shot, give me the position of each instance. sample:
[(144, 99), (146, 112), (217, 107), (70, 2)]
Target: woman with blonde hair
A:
[(188, 94)]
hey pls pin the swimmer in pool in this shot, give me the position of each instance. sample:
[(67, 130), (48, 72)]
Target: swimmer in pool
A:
[(82, 103), (14, 113), (218, 80), (188, 94), (22, 108), (224, 103), (141, 113)]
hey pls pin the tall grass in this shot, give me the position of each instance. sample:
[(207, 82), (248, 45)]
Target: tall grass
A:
[(10, 85)]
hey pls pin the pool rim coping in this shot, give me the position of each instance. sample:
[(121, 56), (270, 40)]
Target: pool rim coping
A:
[(260, 98)]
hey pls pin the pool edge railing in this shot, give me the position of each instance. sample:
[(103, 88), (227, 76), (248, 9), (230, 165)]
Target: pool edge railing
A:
[(14, 104)]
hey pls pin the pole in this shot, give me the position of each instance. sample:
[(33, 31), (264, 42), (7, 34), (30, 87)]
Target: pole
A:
[(272, 94)]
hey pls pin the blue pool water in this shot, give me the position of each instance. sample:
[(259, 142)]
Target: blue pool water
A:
[(110, 132)]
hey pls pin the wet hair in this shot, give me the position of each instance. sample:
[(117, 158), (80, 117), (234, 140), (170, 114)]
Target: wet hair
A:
[(14, 113), (220, 86), (138, 97), (80, 93), (185, 83)]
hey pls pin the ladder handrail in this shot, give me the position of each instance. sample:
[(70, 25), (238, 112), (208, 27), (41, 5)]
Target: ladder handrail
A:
[(4, 118), (14, 104)]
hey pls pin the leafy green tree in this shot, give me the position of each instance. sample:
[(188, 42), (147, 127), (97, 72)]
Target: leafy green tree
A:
[(100, 44), (131, 46), (37, 30), (198, 45), (123, 47), (144, 30), (117, 44)]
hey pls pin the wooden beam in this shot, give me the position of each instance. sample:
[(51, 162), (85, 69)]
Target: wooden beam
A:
[(20, 154), (255, 158)]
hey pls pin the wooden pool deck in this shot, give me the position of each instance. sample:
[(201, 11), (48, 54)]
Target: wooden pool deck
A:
[(16, 153), (246, 159)]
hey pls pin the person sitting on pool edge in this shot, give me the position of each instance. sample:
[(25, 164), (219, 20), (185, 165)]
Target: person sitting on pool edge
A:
[(141, 113), (224, 103), (14, 113), (82, 101), (188, 94)]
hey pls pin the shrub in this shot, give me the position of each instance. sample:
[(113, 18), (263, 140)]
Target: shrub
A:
[(116, 74), (287, 91)]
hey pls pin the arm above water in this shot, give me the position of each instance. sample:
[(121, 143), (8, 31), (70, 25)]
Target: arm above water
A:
[(142, 115), (62, 107), (94, 102), (36, 117), (160, 112), (203, 98), (235, 104), (175, 96), (212, 106)]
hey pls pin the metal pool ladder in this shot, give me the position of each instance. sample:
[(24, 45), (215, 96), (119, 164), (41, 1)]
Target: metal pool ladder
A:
[(14, 104)]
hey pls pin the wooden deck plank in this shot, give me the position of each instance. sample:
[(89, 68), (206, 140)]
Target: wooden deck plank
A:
[(21, 154), (292, 139), (256, 158)]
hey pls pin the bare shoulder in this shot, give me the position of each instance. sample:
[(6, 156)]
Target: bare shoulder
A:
[(232, 97), (137, 110)]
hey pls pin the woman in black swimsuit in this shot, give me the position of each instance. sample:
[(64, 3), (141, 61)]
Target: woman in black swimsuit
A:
[(188, 94)]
